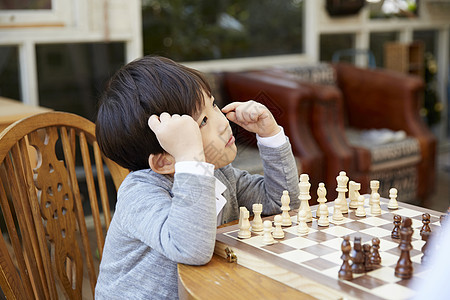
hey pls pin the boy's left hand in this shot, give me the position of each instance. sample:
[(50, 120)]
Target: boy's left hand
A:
[(253, 117)]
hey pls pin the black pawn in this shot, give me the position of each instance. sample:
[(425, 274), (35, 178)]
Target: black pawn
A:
[(425, 222), (366, 250), (345, 272), (357, 257), (404, 268), (375, 258), (397, 222)]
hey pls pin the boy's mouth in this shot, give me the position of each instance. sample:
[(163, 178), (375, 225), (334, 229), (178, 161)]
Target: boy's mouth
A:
[(230, 141)]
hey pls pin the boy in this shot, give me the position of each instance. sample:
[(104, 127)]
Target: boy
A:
[(158, 119)]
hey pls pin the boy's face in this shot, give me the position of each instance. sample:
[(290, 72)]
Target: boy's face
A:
[(218, 140)]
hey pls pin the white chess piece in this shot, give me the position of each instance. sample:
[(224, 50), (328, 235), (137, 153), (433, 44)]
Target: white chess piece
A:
[(323, 219), (267, 236), (285, 208), (321, 193), (304, 196), (278, 233), (375, 208), (352, 195), (360, 210), (374, 186), (337, 214), (242, 209), (342, 180), (257, 225), (244, 229), (302, 226), (357, 187), (393, 204)]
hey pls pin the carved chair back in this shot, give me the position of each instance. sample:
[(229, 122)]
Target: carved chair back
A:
[(45, 250)]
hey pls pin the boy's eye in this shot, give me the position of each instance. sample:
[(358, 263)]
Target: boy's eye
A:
[(203, 123)]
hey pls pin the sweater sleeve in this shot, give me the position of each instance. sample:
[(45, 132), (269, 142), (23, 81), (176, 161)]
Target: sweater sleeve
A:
[(180, 222), (280, 173)]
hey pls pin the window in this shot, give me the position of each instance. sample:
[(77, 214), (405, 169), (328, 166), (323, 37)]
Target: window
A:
[(26, 4), (192, 30), (332, 43), (9, 72), (377, 42), (71, 77)]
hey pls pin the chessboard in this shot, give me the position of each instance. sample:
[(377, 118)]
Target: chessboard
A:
[(310, 262)]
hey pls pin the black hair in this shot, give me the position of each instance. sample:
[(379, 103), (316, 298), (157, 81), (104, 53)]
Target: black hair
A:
[(149, 85)]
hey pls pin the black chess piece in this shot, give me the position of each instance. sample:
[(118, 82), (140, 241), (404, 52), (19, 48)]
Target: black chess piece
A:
[(375, 258), (404, 268), (345, 272), (443, 218), (366, 250), (357, 257), (425, 222), (397, 222)]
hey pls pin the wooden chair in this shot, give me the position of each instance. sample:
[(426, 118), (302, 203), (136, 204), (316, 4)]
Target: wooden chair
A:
[(45, 251)]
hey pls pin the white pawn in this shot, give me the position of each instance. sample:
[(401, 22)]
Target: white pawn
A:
[(286, 218), (352, 195), (278, 233), (393, 204), (374, 186), (257, 225), (375, 208), (267, 237), (244, 229), (321, 193), (337, 214), (323, 220), (360, 210), (302, 226)]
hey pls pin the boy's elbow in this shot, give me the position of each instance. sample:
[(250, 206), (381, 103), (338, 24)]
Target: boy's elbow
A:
[(198, 258), (203, 259)]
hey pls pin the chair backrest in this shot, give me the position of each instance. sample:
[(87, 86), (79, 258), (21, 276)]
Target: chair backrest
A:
[(45, 250)]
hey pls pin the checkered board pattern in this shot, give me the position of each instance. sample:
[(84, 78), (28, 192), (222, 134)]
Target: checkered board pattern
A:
[(317, 253)]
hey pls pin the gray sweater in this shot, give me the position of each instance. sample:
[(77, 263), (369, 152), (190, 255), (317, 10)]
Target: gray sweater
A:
[(162, 220)]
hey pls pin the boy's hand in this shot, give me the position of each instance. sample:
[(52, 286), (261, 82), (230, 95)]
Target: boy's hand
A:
[(179, 136), (252, 116)]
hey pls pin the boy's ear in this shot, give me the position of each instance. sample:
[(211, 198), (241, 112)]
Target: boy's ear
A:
[(162, 163)]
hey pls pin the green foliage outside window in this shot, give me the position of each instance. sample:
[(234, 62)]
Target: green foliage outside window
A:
[(187, 30)]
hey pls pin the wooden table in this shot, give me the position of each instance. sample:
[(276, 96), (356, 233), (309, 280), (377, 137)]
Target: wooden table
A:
[(13, 110), (220, 279)]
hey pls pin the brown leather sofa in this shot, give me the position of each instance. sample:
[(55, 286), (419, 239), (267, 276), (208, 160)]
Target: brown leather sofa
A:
[(317, 116)]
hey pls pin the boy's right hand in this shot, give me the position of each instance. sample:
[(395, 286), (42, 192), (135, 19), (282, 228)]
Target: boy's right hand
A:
[(179, 136)]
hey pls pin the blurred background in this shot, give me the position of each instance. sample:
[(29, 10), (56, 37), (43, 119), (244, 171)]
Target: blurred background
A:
[(59, 53)]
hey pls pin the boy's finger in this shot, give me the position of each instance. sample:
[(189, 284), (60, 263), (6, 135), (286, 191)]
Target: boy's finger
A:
[(231, 116), (153, 122), (230, 107), (164, 116)]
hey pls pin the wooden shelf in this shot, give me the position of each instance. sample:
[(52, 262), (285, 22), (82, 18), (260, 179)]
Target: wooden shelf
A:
[(407, 58)]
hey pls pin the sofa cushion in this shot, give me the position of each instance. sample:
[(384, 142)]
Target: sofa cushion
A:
[(394, 159)]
